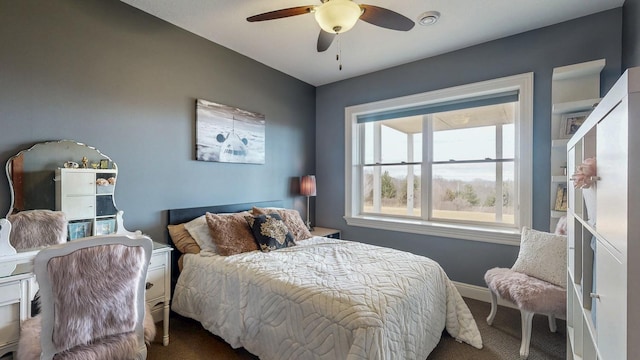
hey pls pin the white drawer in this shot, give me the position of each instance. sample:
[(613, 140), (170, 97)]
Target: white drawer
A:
[(9, 292), (9, 323), (155, 283), (158, 260)]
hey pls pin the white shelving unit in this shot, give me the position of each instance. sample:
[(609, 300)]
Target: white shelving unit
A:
[(84, 201), (574, 89), (603, 254)]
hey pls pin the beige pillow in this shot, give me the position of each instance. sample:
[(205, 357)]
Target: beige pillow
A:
[(183, 240), (291, 219), (231, 233)]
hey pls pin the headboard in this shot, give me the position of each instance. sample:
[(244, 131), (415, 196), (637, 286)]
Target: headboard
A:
[(179, 216)]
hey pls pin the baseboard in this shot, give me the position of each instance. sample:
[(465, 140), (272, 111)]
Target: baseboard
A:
[(479, 293)]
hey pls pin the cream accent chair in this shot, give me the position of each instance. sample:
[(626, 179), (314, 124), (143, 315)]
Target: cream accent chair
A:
[(536, 283), (93, 306)]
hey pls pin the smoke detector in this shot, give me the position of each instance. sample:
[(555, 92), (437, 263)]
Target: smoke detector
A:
[(428, 18)]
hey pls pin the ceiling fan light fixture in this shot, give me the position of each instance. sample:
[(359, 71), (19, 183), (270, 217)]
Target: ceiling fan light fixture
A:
[(337, 16)]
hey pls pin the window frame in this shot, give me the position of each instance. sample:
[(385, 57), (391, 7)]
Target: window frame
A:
[(354, 160)]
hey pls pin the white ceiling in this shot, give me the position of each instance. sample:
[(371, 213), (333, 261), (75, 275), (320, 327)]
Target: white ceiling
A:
[(289, 44)]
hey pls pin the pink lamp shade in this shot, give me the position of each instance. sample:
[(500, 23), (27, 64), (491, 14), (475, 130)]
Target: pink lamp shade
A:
[(308, 185)]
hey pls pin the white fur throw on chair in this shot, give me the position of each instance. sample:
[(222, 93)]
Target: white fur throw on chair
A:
[(35, 228), (527, 292)]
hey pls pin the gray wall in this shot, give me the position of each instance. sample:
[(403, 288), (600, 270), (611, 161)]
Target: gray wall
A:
[(631, 34), (539, 51), (111, 76)]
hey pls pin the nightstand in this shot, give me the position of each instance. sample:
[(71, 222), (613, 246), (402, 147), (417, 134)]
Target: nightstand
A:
[(326, 232)]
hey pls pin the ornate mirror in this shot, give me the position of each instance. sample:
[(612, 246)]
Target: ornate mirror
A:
[(32, 172), (66, 176)]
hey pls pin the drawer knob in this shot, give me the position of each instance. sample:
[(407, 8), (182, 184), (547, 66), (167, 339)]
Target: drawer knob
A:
[(148, 286), (594, 296)]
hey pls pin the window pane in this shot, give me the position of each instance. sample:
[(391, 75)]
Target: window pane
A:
[(400, 140), (464, 144), (471, 192), (386, 190), (470, 134), (508, 141)]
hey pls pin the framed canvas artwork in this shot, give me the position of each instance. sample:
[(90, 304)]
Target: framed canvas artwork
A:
[(228, 134)]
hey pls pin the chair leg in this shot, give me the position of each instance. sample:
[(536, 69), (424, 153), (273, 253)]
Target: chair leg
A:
[(552, 323), (494, 308), (527, 317)]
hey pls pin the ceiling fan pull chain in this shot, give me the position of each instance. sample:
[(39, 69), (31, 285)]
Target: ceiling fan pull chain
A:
[(339, 54)]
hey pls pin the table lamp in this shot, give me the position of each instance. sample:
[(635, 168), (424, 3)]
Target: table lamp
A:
[(308, 189)]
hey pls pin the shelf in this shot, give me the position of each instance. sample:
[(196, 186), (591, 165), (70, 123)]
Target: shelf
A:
[(559, 178), (557, 214), (579, 70), (574, 106)]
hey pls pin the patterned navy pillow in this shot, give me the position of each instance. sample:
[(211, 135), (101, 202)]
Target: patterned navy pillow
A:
[(270, 232)]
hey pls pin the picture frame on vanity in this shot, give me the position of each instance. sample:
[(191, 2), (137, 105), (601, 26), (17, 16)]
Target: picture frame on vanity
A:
[(104, 163), (570, 123), (561, 198)]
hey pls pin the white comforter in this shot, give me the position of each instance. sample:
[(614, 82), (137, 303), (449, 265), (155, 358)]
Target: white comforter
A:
[(325, 299)]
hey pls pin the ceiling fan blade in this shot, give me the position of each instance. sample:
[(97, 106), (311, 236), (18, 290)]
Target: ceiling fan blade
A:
[(282, 13), (324, 40), (385, 18)]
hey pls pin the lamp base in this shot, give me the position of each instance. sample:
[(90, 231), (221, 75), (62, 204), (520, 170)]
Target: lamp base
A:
[(308, 223)]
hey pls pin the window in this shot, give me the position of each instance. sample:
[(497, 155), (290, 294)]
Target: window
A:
[(453, 162)]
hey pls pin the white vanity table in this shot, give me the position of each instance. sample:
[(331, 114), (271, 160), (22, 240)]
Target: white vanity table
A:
[(32, 179)]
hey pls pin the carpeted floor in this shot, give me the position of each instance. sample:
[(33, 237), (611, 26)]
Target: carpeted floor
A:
[(189, 341)]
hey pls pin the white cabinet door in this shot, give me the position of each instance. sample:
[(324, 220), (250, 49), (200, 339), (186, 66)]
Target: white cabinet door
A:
[(78, 183), (611, 314), (611, 193), (79, 207)]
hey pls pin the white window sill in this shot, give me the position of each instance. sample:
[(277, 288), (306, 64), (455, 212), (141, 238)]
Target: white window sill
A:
[(493, 235)]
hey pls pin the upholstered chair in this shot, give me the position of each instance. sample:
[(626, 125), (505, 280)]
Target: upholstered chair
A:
[(37, 228), (536, 283), (92, 294)]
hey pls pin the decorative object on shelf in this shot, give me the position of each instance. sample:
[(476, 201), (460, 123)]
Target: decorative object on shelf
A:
[(585, 174), (104, 163), (79, 230), (571, 122), (228, 134), (95, 165), (70, 165), (85, 161), (585, 178), (105, 227), (308, 189), (112, 180), (102, 182), (561, 198)]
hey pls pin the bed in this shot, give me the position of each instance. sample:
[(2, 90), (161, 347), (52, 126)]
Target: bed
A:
[(321, 299)]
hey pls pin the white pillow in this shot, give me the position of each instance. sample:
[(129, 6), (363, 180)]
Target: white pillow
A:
[(543, 255), (199, 231)]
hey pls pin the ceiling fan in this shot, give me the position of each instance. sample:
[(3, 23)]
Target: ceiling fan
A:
[(338, 16)]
